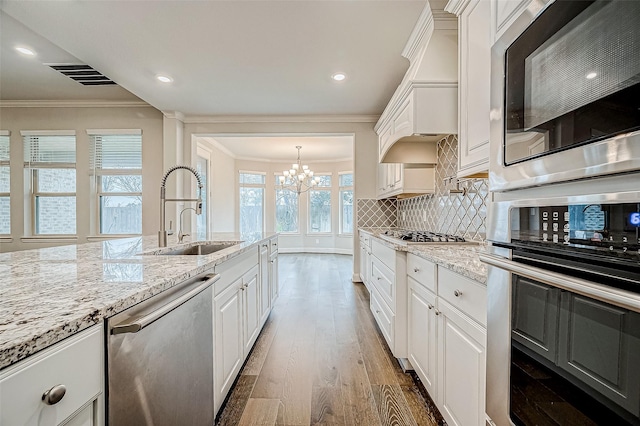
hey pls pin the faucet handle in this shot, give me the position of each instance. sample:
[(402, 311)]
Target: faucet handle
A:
[(170, 230)]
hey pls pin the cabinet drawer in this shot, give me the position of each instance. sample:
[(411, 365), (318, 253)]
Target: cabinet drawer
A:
[(383, 280), (471, 296), (385, 254), (273, 246), (365, 239), (77, 363), (383, 316), (422, 271)]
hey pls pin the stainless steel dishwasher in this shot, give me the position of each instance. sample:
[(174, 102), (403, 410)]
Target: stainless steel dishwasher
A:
[(160, 358)]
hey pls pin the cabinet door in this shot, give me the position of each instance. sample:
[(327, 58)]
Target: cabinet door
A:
[(504, 13), (534, 321), (422, 334), (600, 345), (263, 284), (363, 263), (228, 349), (461, 367), (382, 180), (251, 313), (273, 277), (474, 90)]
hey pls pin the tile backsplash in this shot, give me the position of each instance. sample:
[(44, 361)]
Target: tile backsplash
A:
[(459, 209)]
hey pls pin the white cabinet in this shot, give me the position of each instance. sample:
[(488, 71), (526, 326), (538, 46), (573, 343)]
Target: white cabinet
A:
[(461, 367), (422, 333), (474, 75), (77, 363), (265, 282), (506, 12), (400, 179), (365, 259), (236, 319), (388, 289), (274, 285), (447, 339)]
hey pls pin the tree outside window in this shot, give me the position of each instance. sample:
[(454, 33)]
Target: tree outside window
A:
[(320, 206), (286, 210)]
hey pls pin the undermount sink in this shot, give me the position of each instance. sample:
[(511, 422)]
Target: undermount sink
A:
[(198, 250)]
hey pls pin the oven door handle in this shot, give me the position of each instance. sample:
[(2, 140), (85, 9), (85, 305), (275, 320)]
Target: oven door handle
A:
[(615, 296)]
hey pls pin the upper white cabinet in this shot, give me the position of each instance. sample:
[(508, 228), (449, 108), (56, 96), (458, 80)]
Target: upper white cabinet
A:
[(504, 13), (474, 75), (396, 179)]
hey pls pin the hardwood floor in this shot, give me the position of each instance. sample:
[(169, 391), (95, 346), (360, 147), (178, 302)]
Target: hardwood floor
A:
[(321, 360)]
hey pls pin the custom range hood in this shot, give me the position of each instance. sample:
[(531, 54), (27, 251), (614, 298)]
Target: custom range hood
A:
[(424, 107)]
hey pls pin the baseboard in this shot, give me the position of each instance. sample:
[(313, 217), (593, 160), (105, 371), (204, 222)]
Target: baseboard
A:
[(356, 278), (405, 364), (315, 250)]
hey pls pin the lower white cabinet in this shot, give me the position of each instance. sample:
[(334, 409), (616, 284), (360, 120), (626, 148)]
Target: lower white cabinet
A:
[(265, 283), (422, 334), (447, 339), (77, 363), (274, 287), (461, 367)]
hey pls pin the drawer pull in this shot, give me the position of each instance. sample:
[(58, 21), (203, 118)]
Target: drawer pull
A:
[(457, 293), (54, 395), (416, 269), (378, 278), (430, 306), (377, 312), (437, 312)]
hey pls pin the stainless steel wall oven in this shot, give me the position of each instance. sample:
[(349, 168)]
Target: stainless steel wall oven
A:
[(563, 326), (565, 95)]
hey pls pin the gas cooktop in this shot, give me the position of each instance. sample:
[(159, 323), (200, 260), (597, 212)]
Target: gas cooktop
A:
[(422, 237)]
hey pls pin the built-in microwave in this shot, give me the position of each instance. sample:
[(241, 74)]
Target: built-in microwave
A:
[(565, 94)]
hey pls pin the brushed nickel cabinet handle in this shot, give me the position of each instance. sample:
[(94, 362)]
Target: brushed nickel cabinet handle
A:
[(430, 306), (457, 293), (54, 395), (437, 312), (416, 269)]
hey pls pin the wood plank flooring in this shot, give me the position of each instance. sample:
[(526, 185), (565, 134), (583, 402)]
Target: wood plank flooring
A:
[(321, 360)]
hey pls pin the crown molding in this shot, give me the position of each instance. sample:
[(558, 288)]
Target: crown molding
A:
[(290, 160), (174, 115), (217, 145), (456, 6), (197, 119), (73, 104)]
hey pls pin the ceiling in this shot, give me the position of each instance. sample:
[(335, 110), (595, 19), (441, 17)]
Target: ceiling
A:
[(282, 148), (226, 57)]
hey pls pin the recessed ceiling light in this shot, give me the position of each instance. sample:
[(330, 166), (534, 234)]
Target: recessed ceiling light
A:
[(164, 79), (26, 51), (339, 76), (592, 75)]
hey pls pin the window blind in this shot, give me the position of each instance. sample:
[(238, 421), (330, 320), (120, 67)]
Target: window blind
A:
[(49, 150), (116, 151)]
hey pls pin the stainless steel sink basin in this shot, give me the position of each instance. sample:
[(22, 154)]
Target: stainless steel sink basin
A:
[(198, 250)]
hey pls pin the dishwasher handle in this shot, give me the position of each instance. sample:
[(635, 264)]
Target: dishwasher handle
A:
[(139, 323)]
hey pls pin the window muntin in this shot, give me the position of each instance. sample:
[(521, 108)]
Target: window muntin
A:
[(346, 203), (116, 162), (5, 183), (252, 189), (50, 160)]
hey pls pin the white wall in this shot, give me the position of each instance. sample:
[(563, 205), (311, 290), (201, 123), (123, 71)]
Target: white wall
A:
[(148, 119)]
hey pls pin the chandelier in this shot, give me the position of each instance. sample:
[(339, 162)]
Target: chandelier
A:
[(299, 178)]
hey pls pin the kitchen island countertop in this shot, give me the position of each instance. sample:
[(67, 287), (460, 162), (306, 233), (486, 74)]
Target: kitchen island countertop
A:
[(52, 293), (460, 258)]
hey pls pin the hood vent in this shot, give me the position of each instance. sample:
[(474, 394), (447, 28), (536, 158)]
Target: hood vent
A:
[(83, 74)]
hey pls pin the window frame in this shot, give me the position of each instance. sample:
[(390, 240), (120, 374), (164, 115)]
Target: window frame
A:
[(32, 168), (7, 163), (342, 189), (263, 186), (319, 188), (99, 173)]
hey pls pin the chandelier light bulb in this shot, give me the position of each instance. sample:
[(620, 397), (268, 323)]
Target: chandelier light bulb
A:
[(298, 179)]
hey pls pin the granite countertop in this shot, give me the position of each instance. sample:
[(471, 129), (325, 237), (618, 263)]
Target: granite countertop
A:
[(461, 258), (49, 294)]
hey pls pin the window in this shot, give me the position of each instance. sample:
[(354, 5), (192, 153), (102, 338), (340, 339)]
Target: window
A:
[(320, 205), (50, 161), (116, 161), (252, 187), (346, 203), (5, 211), (286, 209)]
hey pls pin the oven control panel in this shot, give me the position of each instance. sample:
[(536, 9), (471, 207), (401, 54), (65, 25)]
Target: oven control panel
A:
[(608, 229)]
